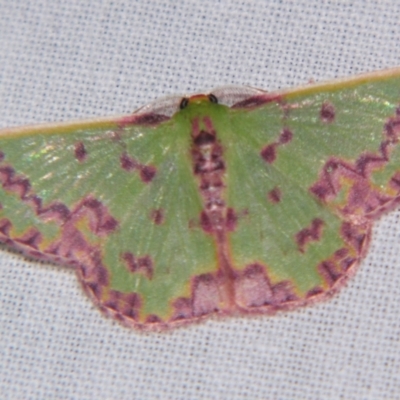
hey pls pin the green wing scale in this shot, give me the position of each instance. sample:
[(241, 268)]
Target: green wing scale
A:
[(240, 201)]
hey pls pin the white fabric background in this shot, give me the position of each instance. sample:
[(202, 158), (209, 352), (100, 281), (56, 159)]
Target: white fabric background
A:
[(61, 60)]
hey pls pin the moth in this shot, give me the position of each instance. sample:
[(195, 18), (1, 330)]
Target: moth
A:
[(234, 202)]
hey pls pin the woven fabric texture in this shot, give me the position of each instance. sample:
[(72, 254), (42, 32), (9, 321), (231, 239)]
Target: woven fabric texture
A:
[(63, 60)]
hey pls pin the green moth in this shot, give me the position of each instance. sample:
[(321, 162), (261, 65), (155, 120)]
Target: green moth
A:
[(239, 201)]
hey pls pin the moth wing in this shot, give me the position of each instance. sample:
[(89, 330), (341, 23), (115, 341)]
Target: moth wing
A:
[(309, 171), (115, 199)]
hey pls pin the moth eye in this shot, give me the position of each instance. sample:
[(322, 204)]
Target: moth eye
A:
[(184, 103), (213, 98)]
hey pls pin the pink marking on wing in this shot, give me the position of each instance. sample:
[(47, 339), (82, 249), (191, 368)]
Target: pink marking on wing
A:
[(157, 216), (71, 247), (56, 211), (283, 293), (21, 186), (205, 222), (363, 200), (5, 227), (205, 295), (146, 265), (395, 181), (328, 184), (94, 290), (35, 202), (354, 236), (148, 119), (113, 299), (309, 234), (147, 173), (183, 308), (275, 195), (268, 153), (100, 220), (80, 152), (126, 304), (369, 162), (286, 136), (132, 299), (153, 319), (130, 262), (93, 273), (128, 163), (329, 272), (327, 112), (256, 101), (102, 276), (347, 263), (138, 264), (31, 239), (343, 260), (314, 292), (14, 183), (231, 219), (341, 253), (392, 127), (253, 288)]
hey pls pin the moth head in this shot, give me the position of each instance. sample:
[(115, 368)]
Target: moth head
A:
[(198, 99)]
